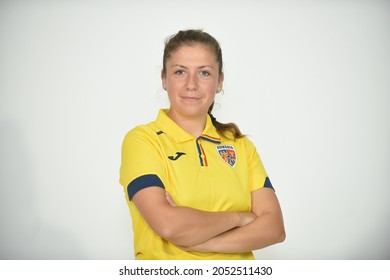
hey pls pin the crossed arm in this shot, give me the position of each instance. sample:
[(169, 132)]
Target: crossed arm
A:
[(224, 232)]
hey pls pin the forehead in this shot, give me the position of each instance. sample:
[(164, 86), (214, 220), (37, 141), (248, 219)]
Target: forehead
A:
[(196, 54)]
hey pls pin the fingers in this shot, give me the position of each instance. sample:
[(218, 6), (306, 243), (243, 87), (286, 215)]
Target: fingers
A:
[(247, 218), (170, 199)]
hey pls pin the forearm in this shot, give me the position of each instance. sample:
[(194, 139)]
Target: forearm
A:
[(184, 226), (188, 226), (263, 232)]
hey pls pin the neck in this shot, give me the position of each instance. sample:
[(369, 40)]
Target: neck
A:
[(192, 125)]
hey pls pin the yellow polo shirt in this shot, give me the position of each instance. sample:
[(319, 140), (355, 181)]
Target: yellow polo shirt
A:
[(209, 173)]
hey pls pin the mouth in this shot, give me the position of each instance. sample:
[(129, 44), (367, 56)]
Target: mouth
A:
[(191, 98)]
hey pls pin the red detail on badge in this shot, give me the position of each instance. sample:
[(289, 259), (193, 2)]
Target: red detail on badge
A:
[(228, 154)]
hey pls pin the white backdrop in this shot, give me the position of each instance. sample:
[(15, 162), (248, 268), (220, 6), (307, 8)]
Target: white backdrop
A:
[(308, 81)]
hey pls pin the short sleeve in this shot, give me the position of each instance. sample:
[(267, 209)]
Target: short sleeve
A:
[(258, 177), (141, 161)]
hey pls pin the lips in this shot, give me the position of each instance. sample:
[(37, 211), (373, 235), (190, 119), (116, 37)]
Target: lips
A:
[(191, 98)]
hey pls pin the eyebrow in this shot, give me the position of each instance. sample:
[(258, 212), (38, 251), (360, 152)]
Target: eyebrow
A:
[(200, 67)]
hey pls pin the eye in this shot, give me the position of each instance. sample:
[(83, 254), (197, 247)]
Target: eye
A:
[(179, 72), (205, 73)]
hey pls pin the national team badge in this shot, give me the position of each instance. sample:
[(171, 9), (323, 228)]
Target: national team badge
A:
[(228, 154)]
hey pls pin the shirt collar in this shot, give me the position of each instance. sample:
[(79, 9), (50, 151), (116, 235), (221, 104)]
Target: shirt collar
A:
[(169, 127)]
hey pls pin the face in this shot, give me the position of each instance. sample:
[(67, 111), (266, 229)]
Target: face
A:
[(192, 79)]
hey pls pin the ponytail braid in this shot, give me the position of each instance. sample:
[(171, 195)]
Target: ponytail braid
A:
[(227, 130)]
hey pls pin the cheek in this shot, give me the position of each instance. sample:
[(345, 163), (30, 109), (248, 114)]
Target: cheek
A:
[(173, 83), (212, 88)]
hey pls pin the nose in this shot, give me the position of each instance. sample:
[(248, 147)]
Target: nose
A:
[(192, 81)]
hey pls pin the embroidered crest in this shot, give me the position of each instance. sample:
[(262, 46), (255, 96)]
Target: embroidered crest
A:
[(228, 154)]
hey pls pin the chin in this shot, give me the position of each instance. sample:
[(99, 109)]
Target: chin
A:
[(194, 112)]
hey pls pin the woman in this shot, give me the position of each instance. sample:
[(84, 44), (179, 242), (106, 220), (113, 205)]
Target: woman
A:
[(196, 188)]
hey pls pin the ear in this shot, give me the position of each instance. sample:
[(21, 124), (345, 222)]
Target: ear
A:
[(220, 82), (163, 80)]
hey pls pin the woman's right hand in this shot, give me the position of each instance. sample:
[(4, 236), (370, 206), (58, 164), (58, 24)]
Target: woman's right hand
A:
[(246, 218)]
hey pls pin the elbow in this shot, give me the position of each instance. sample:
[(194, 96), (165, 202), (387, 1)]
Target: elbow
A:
[(177, 237), (164, 227), (280, 232), (281, 235), (171, 234), (172, 231), (277, 234), (166, 232)]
